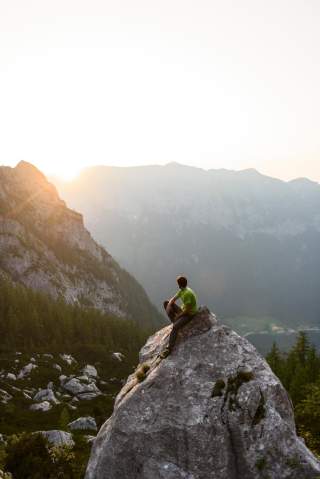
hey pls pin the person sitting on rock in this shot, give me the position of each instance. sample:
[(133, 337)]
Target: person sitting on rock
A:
[(180, 316)]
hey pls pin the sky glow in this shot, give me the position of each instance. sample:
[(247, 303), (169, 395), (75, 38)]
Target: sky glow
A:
[(214, 84)]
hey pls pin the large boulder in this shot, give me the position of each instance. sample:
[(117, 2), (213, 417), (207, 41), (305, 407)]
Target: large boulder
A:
[(213, 409)]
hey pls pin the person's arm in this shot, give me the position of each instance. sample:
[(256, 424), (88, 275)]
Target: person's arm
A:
[(173, 299)]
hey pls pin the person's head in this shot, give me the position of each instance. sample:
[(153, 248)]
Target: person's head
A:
[(182, 282)]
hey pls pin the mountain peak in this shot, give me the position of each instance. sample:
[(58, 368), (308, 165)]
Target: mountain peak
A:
[(212, 409), (30, 170)]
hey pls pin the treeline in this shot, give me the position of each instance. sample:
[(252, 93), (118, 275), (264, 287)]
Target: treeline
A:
[(299, 372), (31, 320)]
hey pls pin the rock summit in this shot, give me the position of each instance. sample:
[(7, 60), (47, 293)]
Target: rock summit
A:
[(213, 409)]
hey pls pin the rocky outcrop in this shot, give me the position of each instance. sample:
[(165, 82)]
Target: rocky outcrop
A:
[(45, 246), (213, 409)]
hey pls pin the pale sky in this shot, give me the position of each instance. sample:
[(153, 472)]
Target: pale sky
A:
[(211, 83)]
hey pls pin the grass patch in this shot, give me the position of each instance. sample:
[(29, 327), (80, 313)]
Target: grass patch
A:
[(261, 463), (218, 388)]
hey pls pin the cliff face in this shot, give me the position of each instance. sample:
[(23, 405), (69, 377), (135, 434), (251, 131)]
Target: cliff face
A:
[(44, 245), (211, 410)]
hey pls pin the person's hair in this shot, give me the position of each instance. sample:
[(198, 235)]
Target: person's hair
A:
[(182, 281)]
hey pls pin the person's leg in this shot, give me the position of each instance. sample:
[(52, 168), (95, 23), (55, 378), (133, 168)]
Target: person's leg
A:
[(175, 328), (172, 311)]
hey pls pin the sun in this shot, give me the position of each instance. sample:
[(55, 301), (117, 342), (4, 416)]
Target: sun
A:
[(68, 174), (63, 171)]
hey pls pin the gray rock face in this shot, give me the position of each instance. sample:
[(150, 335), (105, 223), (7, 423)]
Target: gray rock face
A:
[(213, 409)]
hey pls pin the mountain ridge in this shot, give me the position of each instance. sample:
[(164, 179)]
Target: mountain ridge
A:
[(44, 245), (247, 241)]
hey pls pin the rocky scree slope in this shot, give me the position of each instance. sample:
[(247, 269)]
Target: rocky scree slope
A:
[(211, 410), (35, 390), (44, 245)]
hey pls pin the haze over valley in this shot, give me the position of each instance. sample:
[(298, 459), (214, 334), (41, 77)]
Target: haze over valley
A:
[(248, 242)]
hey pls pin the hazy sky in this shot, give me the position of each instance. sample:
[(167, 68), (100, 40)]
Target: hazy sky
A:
[(211, 83)]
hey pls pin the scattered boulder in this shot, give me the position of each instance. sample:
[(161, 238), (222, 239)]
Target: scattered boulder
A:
[(62, 378), (5, 475), (83, 423), (46, 395), (11, 376), (89, 396), (26, 370), (42, 406), (212, 409), (76, 387), (5, 397), (119, 356), (58, 438), (68, 359), (90, 371)]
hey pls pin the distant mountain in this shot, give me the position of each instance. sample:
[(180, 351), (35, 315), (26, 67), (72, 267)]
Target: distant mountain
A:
[(45, 246), (249, 243)]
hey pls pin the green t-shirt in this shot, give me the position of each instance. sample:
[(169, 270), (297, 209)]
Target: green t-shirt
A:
[(188, 298)]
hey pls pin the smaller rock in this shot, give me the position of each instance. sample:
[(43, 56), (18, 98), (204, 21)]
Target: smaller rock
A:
[(88, 396), (62, 378), (85, 379), (56, 366), (68, 359), (26, 370), (5, 397), (2, 439), (119, 356), (58, 438), (5, 475), (46, 395), (76, 387), (83, 423), (42, 406), (32, 360), (50, 385), (11, 376), (48, 356), (72, 407), (90, 371)]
